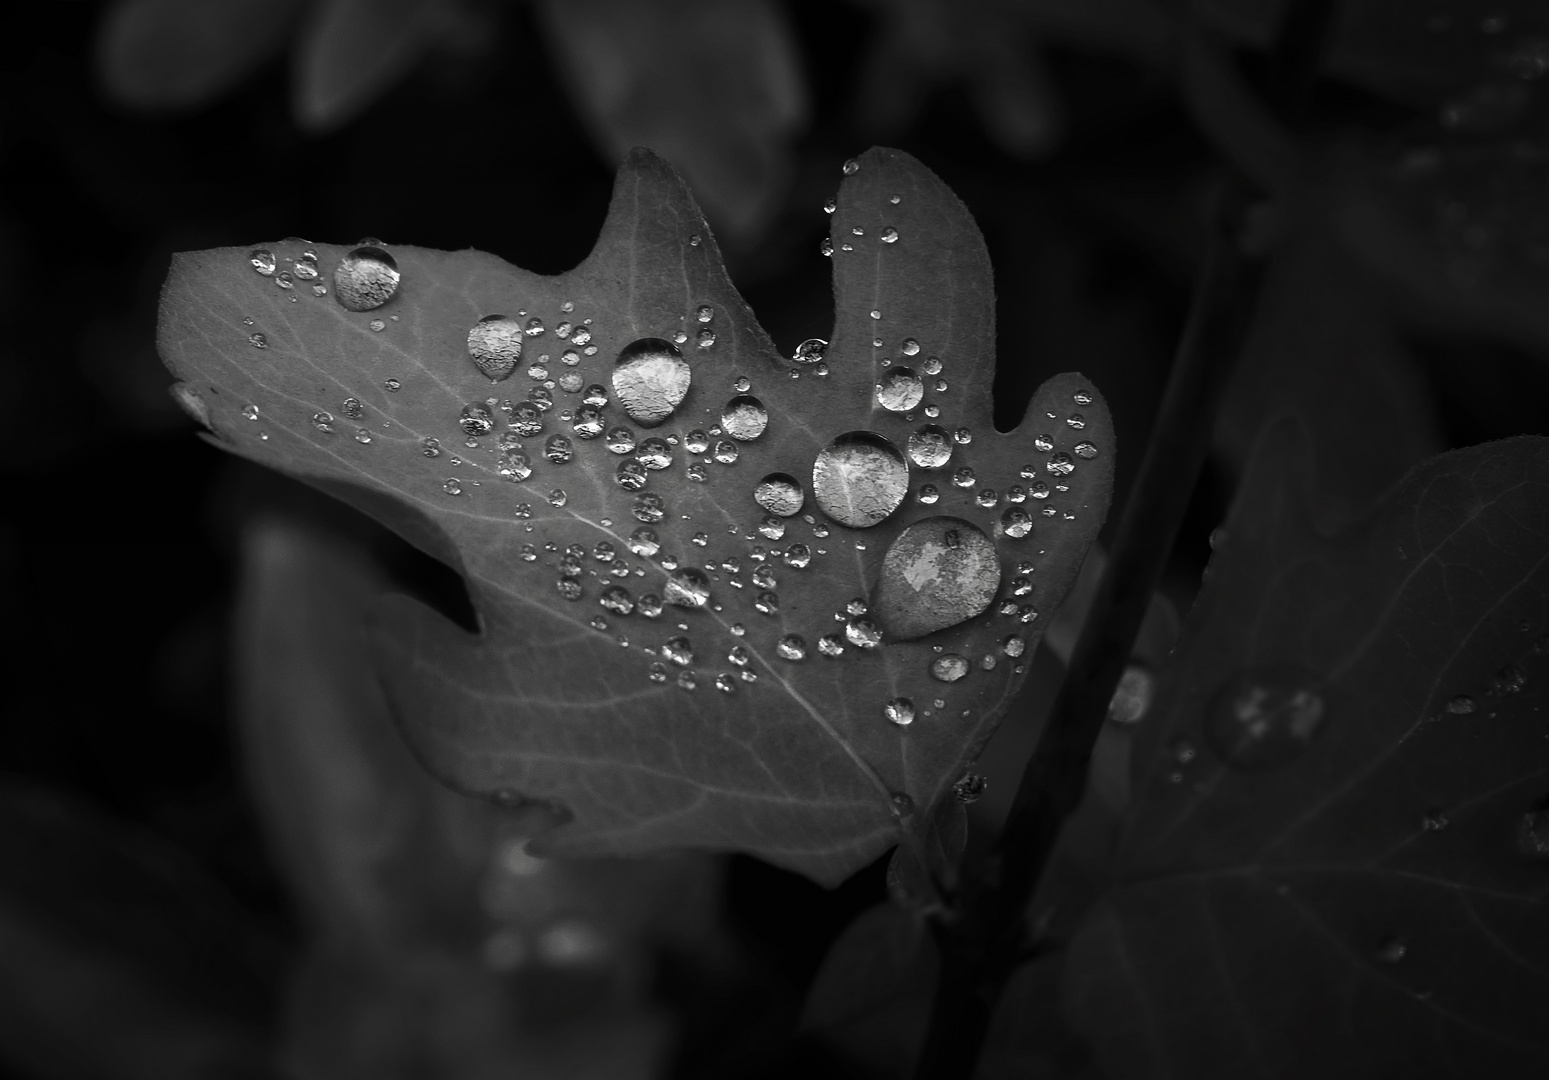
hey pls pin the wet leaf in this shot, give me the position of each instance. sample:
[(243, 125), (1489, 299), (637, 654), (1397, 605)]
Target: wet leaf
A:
[(713, 85), (1327, 843), (181, 54), (719, 720), (352, 51)]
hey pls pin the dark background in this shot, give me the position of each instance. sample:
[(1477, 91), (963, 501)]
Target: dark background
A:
[(126, 832)]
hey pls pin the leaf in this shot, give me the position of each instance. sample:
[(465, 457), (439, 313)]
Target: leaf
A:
[(713, 85), (182, 54), (1336, 872), (435, 937), (548, 702), (351, 51)]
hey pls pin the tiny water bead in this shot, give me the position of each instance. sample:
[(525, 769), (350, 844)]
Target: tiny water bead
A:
[(797, 556), (1263, 718), (352, 408), (970, 788), (928, 494), (781, 495), (657, 672), (495, 346), (452, 486), (964, 477), (631, 475), (258, 341), (1533, 831), (558, 497), (744, 418), (323, 421), (366, 278), (617, 599), (697, 473), (588, 422), (1013, 646), (810, 351), (649, 507), (889, 235), (678, 650), (650, 379), (851, 167), (859, 479), (900, 390), (250, 412), (392, 386), (900, 711), (791, 647), (705, 313), (428, 447), (262, 260), (949, 668), (476, 419), (987, 498), (687, 587), (725, 683), (831, 645)]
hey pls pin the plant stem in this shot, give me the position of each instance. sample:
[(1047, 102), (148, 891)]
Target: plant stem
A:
[(980, 949)]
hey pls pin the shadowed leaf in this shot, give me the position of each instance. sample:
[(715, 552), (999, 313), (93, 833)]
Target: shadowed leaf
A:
[(1324, 870), (725, 725), (351, 51)]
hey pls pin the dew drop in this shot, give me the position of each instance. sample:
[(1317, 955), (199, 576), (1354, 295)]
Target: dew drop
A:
[(949, 668), (744, 418), (258, 341), (889, 235), (791, 647), (780, 494), (514, 465), (1085, 450), (1461, 705), (654, 453), (687, 587), (826, 247), (810, 351), (1391, 951), (569, 588), (987, 498), (1263, 718), (476, 419), (323, 421), (649, 507), (859, 479), (725, 683), (558, 497), (366, 278), (588, 422), (696, 441), (726, 452), (558, 449), (771, 528), (657, 672), (900, 711), (1013, 646), (621, 440), (1060, 464), (616, 599), (452, 486), (928, 494), (650, 380), (1533, 832), (428, 447), (851, 167), (250, 412), (678, 650), (262, 260), (831, 645), (937, 573), (1016, 523), (797, 556), (863, 633), (970, 788), (631, 475)]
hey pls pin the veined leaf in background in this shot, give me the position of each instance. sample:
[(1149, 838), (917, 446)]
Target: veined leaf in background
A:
[(1333, 864), (754, 710)]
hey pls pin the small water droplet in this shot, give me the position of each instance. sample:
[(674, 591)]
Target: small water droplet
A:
[(631, 475), (780, 494), (986, 498), (558, 449), (678, 650), (744, 418), (495, 345), (928, 494), (1533, 831), (452, 486), (352, 408), (725, 683), (392, 386), (964, 477), (558, 497), (1085, 450), (1461, 705), (949, 668), (513, 465), (476, 419), (696, 441), (970, 788), (797, 556), (792, 647), (621, 440), (831, 645), (1016, 523), (262, 260), (889, 235), (366, 278), (1060, 464), (1435, 820), (810, 351), (428, 447), (900, 711), (1508, 680), (830, 206), (1263, 718), (687, 587), (899, 390), (859, 479), (250, 412), (616, 599), (657, 672), (569, 588), (851, 167), (258, 341), (649, 507), (588, 422), (1013, 646), (654, 453), (863, 633), (650, 380)]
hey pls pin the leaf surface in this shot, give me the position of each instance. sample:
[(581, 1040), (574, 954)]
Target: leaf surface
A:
[(738, 747), (1334, 880)]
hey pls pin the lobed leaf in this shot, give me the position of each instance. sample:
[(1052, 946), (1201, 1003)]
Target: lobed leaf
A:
[(1334, 864), (744, 734)]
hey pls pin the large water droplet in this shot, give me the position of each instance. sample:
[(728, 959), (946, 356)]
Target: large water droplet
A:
[(899, 390), (810, 351), (859, 479), (650, 380), (781, 495), (262, 260), (862, 632), (687, 587), (495, 345), (900, 711), (366, 278), (654, 453), (1263, 718), (936, 574), (930, 447), (949, 668), (792, 647), (744, 418)]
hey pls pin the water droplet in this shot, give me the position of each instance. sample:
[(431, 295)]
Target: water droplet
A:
[(766, 603), (889, 235), (900, 711), (936, 573), (1461, 705), (1533, 831), (258, 341), (392, 386), (928, 494), (987, 498), (262, 260), (1016, 523), (428, 447), (558, 449), (588, 422), (569, 588), (900, 390), (771, 528), (797, 556), (558, 497), (452, 486), (678, 650), (792, 647), (649, 507), (705, 338), (1435, 820), (495, 345), (949, 668), (705, 313), (1263, 718), (476, 419), (859, 479), (540, 397), (616, 599), (726, 452), (744, 418), (1132, 697), (657, 672), (696, 441), (654, 454), (781, 495), (851, 167), (650, 605), (352, 408), (970, 788), (1013, 646), (250, 412), (1060, 464), (621, 440), (687, 587), (631, 475), (1508, 680), (831, 645), (366, 278), (964, 477), (863, 633), (826, 247), (1085, 450), (725, 683), (810, 351), (650, 380), (644, 542), (514, 465), (830, 206)]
